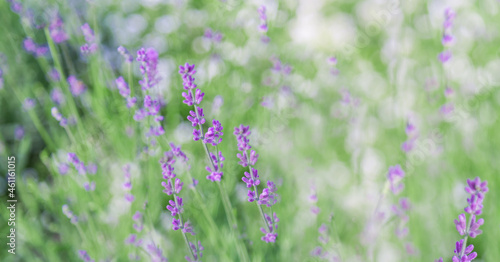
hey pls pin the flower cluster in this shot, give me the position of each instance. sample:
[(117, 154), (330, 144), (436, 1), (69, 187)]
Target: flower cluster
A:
[(412, 134), (31, 47), (59, 117), (248, 158), (174, 187), (324, 240), (332, 61), (395, 175), (149, 64), (29, 103), (448, 38), (84, 256), (90, 46), (213, 36), (56, 30), (73, 218), (127, 185), (129, 58), (82, 169), (76, 86), (263, 23), (476, 189), (197, 251), (313, 198), (57, 96), (213, 136)]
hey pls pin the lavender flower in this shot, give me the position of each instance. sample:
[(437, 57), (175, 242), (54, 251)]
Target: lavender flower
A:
[(63, 168), (28, 104), (18, 133), (268, 197), (76, 86), (476, 189), (447, 39), (197, 252), (127, 186), (122, 87), (175, 206), (57, 96), (84, 256), (126, 54), (155, 253), (59, 117), (263, 24), (90, 47), (89, 186), (69, 214), (149, 63), (395, 175), (56, 30)]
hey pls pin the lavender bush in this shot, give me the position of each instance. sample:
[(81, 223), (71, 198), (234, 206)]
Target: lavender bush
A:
[(361, 121)]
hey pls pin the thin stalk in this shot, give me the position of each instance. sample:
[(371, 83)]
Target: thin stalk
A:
[(257, 194), (465, 238), (180, 218)]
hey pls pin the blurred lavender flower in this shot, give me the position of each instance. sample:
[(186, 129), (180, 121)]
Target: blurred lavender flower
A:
[(76, 86), (215, 37), (89, 186), (395, 175), (122, 87), (447, 39), (57, 96), (84, 256), (15, 6), (69, 214), (1, 79), (127, 186), (90, 47), (263, 19), (56, 29), (59, 117), (155, 253), (63, 168), (149, 63), (126, 54), (19, 132), (29, 103)]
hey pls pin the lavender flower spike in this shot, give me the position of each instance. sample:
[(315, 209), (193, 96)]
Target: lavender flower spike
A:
[(476, 189), (268, 197), (176, 205)]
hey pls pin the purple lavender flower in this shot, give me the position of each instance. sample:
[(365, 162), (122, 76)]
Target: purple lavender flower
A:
[(263, 19), (444, 56), (138, 225), (84, 256), (19, 132), (63, 168), (76, 86), (215, 172), (89, 186), (214, 134), (395, 175), (149, 63), (155, 253), (28, 104), (15, 6), (88, 33), (56, 29), (126, 54), (69, 214), (197, 251), (463, 255), (122, 87), (268, 197), (131, 102), (57, 96), (29, 45), (476, 189)]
